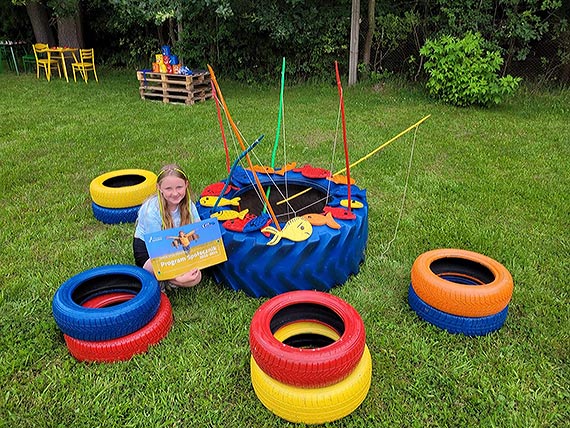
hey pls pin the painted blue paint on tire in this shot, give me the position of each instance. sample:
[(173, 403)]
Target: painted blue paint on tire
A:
[(110, 322), (477, 326), (325, 260), (115, 215)]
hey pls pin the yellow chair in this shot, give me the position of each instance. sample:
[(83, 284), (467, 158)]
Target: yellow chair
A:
[(43, 59), (85, 64)]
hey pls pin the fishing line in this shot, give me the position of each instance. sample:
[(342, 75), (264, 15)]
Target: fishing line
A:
[(243, 147), (334, 148), (389, 244), (277, 189)]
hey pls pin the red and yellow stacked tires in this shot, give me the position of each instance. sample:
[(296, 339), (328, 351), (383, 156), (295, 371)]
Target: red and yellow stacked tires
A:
[(117, 195), (460, 291), (309, 360), (111, 313)]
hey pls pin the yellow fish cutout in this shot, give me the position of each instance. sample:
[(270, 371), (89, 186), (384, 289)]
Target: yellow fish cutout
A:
[(341, 179), (297, 229), (229, 214), (353, 203), (321, 220), (210, 201)]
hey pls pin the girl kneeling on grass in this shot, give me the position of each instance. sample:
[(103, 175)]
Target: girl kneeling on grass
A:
[(170, 207)]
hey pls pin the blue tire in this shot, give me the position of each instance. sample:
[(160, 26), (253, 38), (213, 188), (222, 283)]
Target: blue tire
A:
[(477, 326), (325, 260), (109, 322), (115, 215)]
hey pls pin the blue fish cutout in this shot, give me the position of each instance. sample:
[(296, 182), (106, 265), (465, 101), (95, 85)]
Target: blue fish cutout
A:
[(257, 223)]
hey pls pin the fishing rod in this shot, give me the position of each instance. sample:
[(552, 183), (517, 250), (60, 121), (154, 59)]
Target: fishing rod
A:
[(241, 143), (415, 125), (279, 115), (240, 157)]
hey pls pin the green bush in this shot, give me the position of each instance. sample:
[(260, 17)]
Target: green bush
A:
[(462, 72)]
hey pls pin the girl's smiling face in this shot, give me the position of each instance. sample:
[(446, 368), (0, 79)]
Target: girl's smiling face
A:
[(173, 189)]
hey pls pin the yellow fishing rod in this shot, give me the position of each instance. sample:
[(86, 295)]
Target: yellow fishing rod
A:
[(376, 150)]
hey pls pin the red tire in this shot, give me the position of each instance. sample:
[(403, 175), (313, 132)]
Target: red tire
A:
[(122, 348), (109, 299), (308, 358), (461, 282)]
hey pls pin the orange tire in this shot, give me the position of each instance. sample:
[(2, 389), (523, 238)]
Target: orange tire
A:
[(461, 282)]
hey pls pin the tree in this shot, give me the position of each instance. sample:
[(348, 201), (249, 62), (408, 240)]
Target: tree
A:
[(67, 16), (354, 30), (39, 18), (69, 25), (369, 33)]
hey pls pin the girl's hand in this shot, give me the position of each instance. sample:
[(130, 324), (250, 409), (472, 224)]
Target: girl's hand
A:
[(188, 279)]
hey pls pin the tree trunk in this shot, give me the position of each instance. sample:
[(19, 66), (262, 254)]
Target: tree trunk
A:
[(70, 31), (354, 28), (370, 33), (39, 18)]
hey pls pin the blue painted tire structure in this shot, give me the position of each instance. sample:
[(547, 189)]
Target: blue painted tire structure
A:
[(323, 261), (109, 322), (115, 215), (469, 326)]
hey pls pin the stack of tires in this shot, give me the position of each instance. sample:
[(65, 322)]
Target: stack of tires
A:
[(111, 313), (460, 291), (309, 359), (117, 195)]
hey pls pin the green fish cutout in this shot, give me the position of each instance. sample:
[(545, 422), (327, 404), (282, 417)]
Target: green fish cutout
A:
[(229, 214), (210, 201), (297, 229)]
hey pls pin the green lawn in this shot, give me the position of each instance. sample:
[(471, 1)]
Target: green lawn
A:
[(493, 181)]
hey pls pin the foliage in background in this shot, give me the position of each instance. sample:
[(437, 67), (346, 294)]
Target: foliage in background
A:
[(13, 25), (463, 72), (510, 25), (247, 38)]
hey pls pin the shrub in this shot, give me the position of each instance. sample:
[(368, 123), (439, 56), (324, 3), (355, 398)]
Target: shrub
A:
[(462, 72)]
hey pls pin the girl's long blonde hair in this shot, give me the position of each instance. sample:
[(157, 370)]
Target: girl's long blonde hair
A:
[(173, 170)]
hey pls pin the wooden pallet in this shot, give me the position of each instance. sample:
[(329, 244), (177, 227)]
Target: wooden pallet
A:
[(175, 88)]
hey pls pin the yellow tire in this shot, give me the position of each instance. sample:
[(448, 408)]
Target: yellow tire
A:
[(305, 327), (123, 188), (314, 405)]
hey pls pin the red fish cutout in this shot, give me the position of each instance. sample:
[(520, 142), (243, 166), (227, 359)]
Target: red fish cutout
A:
[(340, 213), (216, 188), (309, 171), (237, 224)]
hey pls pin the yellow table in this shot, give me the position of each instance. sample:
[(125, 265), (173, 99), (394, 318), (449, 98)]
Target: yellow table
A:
[(59, 54)]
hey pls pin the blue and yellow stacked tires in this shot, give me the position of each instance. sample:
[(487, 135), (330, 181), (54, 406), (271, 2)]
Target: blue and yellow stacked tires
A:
[(460, 291), (117, 195), (309, 360)]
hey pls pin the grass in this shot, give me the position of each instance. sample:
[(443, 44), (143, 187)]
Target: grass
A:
[(493, 181)]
